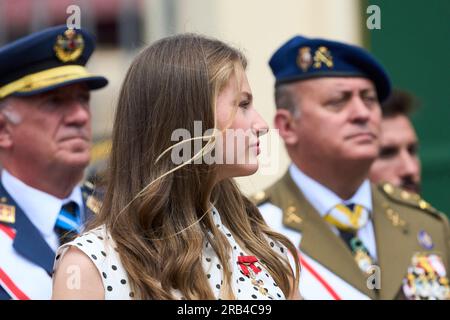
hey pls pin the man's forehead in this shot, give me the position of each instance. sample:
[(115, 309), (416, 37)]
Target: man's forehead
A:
[(337, 84), (397, 129)]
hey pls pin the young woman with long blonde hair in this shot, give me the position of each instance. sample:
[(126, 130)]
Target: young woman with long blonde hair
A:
[(180, 230)]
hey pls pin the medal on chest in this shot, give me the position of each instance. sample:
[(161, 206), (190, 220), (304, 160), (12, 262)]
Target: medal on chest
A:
[(249, 269)]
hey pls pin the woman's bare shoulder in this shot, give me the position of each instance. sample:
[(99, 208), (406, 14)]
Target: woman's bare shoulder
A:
[(77, 277)]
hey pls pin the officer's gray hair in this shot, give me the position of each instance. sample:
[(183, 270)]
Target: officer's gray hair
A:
[(285, 99), (10, 114)]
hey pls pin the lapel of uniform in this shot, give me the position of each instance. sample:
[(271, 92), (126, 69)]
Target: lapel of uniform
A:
[(391, 233), (30, 244), (318, 240), (28, 241)]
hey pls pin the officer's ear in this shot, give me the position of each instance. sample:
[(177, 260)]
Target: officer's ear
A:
[(285, 122), (5, 127)]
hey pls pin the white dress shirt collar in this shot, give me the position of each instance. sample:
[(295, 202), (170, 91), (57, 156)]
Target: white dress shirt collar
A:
[(41, 208), (322, 198)]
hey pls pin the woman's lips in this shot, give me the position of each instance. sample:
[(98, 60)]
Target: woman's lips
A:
[(256, 145)]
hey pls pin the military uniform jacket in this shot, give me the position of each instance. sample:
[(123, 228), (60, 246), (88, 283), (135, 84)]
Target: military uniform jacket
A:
[(26, 260), (404, 226)]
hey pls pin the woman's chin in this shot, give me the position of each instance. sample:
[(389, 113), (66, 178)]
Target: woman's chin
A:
[(237, 170), (246, 169)]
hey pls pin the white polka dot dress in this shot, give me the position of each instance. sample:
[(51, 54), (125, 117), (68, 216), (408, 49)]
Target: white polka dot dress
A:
[(101, 249), (255, 284)]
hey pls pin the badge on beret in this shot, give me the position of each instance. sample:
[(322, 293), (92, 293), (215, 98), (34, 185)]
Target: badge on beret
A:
[(323, 55), (69, 46), (304, 58), (426, 278), (7, 213), (425, 240)]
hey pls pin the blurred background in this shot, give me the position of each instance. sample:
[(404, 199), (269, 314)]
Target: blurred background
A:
[(413, 44)]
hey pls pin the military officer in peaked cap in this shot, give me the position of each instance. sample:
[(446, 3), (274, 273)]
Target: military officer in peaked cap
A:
[(357, 240), (45, 135)]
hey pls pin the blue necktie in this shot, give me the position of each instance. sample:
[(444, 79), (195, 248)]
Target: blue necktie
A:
[(68, 223)]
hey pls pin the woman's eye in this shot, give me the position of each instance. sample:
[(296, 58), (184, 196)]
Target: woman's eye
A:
[(244, 104)]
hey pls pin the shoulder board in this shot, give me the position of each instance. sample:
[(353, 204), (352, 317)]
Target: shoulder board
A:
[(88, 186), (410, 199), (90, 197), (7, 211), (259, 198)]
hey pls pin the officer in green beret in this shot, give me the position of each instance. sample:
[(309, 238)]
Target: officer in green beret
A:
[(45, 137), (357, 240)]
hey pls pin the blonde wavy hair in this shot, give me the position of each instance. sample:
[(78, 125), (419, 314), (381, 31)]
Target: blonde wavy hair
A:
[(156, 211)]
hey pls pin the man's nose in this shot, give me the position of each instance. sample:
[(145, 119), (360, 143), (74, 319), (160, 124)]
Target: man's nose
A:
[(78, 113), (409, 164), (360, 112)]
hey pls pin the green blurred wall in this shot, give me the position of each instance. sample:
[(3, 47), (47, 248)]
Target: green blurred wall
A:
[(414, 45)]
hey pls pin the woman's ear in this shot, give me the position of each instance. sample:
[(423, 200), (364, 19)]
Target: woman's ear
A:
[(5, 132), (287, 126)]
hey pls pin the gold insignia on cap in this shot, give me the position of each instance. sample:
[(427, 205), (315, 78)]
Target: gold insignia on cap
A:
[(93, 204), (304, 58), (3, 199), (69, 46), (323, 55), (7, 213)]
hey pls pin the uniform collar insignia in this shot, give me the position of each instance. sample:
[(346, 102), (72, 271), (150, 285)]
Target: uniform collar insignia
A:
[(7, 213)]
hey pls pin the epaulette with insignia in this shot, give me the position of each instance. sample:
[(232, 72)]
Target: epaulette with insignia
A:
[(92, 201), (411, 199), (259, 198), (7, 212), (89, 186)]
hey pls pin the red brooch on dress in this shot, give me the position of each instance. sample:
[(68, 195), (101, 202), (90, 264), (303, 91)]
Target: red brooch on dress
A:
[(249, 269), (246, 262)]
